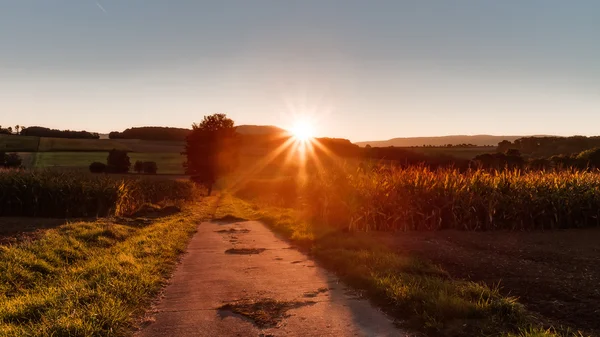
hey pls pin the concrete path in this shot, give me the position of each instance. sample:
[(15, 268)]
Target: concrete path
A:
[(209, 278)]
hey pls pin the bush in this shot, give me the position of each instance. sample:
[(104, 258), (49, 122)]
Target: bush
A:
[(97, 167), (149, 167), (138, 167), (10, 160), (118, 161), (590, 157)]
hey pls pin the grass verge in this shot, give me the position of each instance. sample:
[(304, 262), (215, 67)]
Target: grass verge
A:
[(419, 294), (91, 278)]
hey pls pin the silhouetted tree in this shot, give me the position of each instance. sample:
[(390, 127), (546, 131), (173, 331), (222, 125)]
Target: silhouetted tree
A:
[(10, 160), (138, 167), (211, 150), (149, 167), (118, 161), (590, 157), (504, 146), (97, 167)]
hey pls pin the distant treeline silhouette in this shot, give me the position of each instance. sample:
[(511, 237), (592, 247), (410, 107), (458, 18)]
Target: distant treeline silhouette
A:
[(152, 133), (39, 131), (550, 146), (502, 158)]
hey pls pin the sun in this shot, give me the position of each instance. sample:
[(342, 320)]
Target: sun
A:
[(303, 131)]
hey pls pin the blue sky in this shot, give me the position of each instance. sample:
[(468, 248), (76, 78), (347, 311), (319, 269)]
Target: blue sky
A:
[(362, 70)]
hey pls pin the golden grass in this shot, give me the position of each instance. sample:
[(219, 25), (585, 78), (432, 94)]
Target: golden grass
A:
[(90, 278)]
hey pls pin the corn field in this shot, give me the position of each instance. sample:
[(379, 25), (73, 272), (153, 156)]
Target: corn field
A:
[(416, 198), (63, 194)]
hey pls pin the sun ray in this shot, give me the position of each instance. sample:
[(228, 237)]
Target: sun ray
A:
[(247, 174)]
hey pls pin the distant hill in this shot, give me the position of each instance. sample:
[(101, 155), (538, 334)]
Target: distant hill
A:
[(259, 129), (479, 140)]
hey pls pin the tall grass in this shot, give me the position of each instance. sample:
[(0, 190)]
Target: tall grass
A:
[(76, 194), (417, 198), (90, 278)]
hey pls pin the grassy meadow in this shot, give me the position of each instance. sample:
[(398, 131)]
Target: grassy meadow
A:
[(91, 278)]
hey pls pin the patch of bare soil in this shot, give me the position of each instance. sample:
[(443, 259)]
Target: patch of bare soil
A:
[(264, 313), (554, 273), (245, 251)]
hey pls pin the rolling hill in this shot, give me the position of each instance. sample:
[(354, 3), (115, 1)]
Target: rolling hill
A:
[(479, 140)]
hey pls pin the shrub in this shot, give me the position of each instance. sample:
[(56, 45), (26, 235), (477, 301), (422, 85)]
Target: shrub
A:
[(10, 160), (118, 161), (590, 157), (138, 167), (149, 167), (97, 167)]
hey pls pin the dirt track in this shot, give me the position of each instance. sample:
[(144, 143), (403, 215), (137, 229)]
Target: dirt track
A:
[(239, 279)]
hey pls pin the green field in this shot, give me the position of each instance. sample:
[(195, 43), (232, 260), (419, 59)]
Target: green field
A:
[(44, 144), (44, 152), (168, 163), (64, 144)]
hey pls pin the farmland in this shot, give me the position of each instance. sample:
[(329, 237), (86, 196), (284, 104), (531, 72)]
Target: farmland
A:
[(61, 194), (168, 163), (19, 144), (14, 143), (447, 252), (480, 226), (87, 275), (42, 152), (458, 152)]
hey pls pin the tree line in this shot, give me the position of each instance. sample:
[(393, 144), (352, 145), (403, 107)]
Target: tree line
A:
[(9, 130), (38, 131), (550, 146), (152, 133)]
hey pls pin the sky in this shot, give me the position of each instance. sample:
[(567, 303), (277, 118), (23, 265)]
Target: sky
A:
[(361, 70)]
